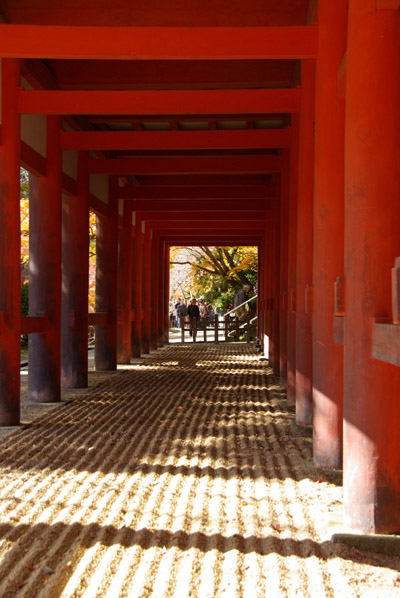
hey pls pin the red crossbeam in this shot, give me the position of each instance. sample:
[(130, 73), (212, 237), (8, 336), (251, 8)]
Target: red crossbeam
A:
[(175, 140), (157, 43), (155, 102), (206, 205), (242, 165), (240, 192)]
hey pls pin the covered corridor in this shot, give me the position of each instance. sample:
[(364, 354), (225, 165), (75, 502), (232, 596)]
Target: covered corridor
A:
[(179, 476), (270, 123)]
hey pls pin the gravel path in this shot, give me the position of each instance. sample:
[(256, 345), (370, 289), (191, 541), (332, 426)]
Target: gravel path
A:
[(182, 476)]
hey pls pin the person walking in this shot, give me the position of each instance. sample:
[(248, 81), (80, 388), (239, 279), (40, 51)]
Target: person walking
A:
[(241, 296), (182, 313), (194, 315), (177, 304)]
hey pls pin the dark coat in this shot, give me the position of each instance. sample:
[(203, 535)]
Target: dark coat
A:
[(193, 311)]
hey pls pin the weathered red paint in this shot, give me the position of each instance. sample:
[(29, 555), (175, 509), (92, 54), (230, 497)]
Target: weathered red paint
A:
[(125, 286), (154, 282), (166, 292), (10, 278), (305, 199), (137, 282), (107, 283), (283, 282), (292, 262), (372, 215), (161, 293), (328, 237), (146, 276), (45, 209), (75, 282)]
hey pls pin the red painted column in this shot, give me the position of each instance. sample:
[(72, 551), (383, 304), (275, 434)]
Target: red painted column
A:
[(137, 288), (10, 242), (75, 282), (276, 284), (107, 282), (292, 264), (328, 235), (283, 282), (161, 293), (305, 201), (146, 289), (154, 291), (166, 293), (45, 209), (372, 242), (125, 286), (266, 287)]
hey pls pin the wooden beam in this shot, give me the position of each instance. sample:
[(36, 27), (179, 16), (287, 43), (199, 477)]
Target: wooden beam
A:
[(175, 140), (180, 193), (210, 218), (209, 205), (210, 227), (258, 164), (158, 43), (210, 180), (155, 102)]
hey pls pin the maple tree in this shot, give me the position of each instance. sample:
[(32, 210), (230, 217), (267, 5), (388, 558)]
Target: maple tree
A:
[(216, 273)]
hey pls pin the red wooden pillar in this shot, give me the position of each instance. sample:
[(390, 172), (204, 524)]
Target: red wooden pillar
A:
[(154, 291), (137, 288), (75, 282), (45, 208), (146, 289), (292, 263), (328, 235), (166, 293), (125, 286), (10, 242), (283, 282), (275, 265), (107, 282), (161, 293), (372, 242), (305, 201), (266, 287)]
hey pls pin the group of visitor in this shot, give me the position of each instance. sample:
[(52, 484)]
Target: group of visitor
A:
[(201, 310)]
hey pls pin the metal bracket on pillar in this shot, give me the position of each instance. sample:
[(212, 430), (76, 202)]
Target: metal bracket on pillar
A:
[(309, 299), (339, 310), (396, 291), (339, 296), (387, 4), (293, 301)]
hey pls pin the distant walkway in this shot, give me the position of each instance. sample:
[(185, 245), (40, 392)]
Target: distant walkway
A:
[(182, 476)]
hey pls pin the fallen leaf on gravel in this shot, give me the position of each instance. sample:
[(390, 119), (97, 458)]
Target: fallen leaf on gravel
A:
[(275, 527), (47, 570)]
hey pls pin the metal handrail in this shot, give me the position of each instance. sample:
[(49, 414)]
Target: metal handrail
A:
[(244, 325), (241, 305)]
